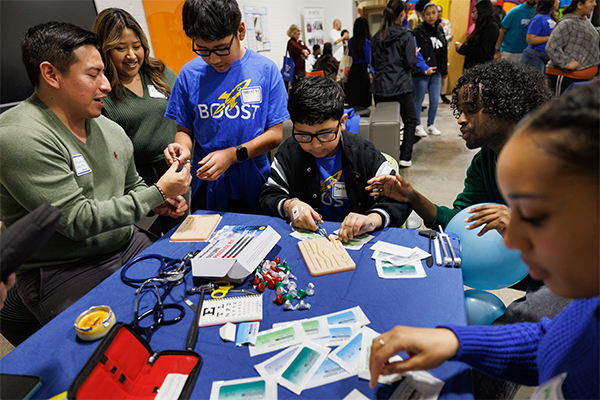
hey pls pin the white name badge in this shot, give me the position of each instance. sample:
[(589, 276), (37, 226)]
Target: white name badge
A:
[(339, 190), (81, 166), (153, 92), (252, 95), (551, 389)]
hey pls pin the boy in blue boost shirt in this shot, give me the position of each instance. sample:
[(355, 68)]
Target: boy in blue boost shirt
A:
[(322, 170), (231, 101)]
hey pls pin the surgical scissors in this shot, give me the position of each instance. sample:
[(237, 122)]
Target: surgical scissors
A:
[(221, 288)]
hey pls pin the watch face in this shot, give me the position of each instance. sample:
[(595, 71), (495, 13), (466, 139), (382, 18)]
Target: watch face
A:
[(241, 153)]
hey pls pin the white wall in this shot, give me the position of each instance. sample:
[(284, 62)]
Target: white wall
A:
[(281, 14)]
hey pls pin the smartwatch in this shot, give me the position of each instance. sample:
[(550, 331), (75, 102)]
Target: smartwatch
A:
[(241, 153)]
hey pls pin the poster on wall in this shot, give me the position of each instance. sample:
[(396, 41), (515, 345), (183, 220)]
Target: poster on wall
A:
[(257, 28), (313, 27)]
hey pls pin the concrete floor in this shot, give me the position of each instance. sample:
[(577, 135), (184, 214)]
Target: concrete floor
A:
[(438, 172)]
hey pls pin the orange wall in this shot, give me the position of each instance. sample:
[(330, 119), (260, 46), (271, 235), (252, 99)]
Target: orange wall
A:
[(169, 41)]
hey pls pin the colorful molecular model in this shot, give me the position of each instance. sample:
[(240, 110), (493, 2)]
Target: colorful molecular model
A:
[(277, 275)]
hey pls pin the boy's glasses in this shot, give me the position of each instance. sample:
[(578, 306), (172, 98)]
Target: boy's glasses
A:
[(321, 137), (219, 52)]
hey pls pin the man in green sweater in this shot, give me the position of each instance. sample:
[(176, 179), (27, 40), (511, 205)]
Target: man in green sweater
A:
[(55, 147)]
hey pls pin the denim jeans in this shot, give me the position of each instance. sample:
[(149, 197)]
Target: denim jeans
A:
[(433, 83), (535, 58)]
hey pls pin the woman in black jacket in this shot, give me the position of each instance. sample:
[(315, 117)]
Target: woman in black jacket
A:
[(480, 45), (434, 50), (393, 58)]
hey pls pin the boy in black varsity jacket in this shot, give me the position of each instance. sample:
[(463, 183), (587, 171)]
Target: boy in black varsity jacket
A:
[(321, 171)]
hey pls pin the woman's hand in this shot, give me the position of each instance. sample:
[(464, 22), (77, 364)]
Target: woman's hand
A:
[(427, 349), (457, 46), (493, 216)]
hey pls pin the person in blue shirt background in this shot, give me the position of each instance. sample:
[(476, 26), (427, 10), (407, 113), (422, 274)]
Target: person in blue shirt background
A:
[(232, 102), (539, 30), (513, 31)]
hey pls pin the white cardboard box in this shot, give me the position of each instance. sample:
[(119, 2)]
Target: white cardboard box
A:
[(235, 252)]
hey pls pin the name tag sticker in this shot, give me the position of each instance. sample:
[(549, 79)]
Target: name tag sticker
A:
[(153, 92), (339, 190), (252, 95), (551, 389), (81, 166)]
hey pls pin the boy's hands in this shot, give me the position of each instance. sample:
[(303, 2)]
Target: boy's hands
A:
[(216, 163), (302, 215), (356, 224), (176, 150)]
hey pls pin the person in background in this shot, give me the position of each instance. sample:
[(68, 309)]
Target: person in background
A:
[(416, 17), (512, 39), (393, 58), (299, 52), (141, 86), (573, 47), (321, 171), (346, 36), (358, 87), (499, 12), (312, 58), (5, 286), (80, 162), (538, 33), (556, 147), (327, 62), (434, 49), (229, 105), (447, 27), (337, 40), (479, 45)]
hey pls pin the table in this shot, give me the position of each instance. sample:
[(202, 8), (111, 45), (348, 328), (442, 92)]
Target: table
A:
[(56, 355)]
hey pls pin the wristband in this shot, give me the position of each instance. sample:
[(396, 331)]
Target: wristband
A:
[(161, 192), (287, 206)]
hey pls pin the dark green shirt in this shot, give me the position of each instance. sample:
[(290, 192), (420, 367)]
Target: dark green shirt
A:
[(143, 119), (480, 187)]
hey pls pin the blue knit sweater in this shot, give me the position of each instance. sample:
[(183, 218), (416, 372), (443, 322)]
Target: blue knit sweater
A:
[(531, 354)]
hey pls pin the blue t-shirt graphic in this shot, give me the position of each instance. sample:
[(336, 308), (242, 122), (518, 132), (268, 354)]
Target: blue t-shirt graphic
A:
[(516, 23), (541, 25), (334, 199), (225, 110)]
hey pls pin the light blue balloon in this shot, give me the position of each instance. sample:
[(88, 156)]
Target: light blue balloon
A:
[(486, 262), (482, 307)]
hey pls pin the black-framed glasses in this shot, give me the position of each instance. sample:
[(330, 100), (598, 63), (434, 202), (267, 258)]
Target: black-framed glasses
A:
[(219, 52), (323, 137)]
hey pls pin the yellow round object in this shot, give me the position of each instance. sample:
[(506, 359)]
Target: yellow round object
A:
[(94, 323)]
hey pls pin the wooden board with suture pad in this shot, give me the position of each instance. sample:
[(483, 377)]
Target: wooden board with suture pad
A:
[(196, 228), (325, 257)]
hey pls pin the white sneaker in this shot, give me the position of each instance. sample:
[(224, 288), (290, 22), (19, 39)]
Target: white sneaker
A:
[(404, 163), (420, 131), (432, 130)]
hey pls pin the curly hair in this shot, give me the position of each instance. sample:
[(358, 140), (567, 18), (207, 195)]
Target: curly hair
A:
[(503, 89), (568, 128)]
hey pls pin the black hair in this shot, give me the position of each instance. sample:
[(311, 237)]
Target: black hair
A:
[(568, 128), (361, 34), (420, 6), (509, 90), (327, 48), (572, 7), (53, 42), (390, 14), (316, 100), (343, 31), (543, 7), (485, 16), (316, 47), (211, 20)]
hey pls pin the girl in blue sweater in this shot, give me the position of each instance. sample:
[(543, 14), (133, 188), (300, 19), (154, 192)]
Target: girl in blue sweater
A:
[(549, 174)]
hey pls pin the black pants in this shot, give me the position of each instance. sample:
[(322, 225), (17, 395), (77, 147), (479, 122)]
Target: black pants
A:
[(409, 119), (559, 83), (233, 205), (42, 293)]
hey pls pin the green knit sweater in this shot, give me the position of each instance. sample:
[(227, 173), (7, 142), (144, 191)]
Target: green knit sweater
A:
[(480, 187), (94, 184), (143, 119)]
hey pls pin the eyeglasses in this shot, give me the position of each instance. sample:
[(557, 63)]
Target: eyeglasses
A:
[(321, 137), (219, 52)]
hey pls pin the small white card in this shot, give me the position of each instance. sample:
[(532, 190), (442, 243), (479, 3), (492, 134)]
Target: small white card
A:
[(252, 95), (81, 166), (277, 339), (388, 270), (348, 354), (364, 370), (354, 315), (244, 389), (302, 366), (328, 372), (355, 394), (313, 327), (153, 92), (171, 387), (338, 335), (418, 385)]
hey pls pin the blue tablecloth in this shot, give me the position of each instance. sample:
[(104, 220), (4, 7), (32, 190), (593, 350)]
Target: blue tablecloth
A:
[(56, 355)]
